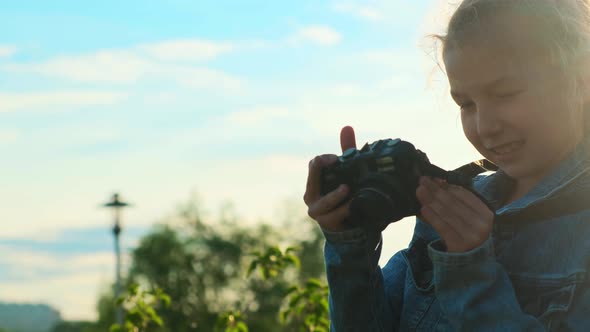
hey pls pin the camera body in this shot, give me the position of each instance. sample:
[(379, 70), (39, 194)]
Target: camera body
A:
[(383, 177)]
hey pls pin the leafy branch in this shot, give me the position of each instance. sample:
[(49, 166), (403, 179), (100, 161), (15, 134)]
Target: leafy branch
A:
[(273, 261), (308, 306), (231, 322), (140, 309)]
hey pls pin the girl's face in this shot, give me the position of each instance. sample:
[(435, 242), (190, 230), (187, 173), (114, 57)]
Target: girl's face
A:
[(516, 107)]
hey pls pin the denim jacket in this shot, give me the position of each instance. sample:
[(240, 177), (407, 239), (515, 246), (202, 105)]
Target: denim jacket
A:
[(529, 276)]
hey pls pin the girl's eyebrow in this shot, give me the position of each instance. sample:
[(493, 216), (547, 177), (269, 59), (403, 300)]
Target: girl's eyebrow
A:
[(491, 85)]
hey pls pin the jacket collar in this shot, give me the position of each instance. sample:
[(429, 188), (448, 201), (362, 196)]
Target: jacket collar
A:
[(497, 186)]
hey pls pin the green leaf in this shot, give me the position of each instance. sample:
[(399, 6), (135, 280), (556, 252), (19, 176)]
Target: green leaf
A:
[(252, 267), (158, 320), (166, 299), (324, 304), (293, 259), (283, 315), (133, 288), (291, 289), (242, 327), (116, 328), (294, 300), (291, 249), (313, 283)]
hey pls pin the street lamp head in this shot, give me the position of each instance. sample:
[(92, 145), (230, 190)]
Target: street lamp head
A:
[(116, 202)]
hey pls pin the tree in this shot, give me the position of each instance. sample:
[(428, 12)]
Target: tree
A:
[(202, 267)]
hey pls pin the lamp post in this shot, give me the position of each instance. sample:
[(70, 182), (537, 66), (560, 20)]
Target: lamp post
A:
[(116, 205)]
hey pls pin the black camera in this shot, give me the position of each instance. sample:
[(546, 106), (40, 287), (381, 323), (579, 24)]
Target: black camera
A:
[(383, 177)]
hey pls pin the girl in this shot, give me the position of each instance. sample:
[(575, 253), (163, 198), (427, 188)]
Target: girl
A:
[(519, 71)]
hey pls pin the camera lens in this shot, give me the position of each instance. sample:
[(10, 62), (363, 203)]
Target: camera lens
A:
[(371, 206)]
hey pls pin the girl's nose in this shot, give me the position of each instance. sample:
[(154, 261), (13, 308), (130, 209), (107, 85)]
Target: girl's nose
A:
[(488, 123)]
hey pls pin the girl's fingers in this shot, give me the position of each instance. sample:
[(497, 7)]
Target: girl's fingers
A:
[(334, 219), (468, 198), (328, 203), (449, 220), (446, 231), (424, 195), (328, 210), (449, 206), (447, 210), (347, 138), (475, 212), (312, 189), (481, 216)]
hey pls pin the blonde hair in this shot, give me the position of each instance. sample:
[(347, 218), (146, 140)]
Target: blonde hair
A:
[(563, 28)]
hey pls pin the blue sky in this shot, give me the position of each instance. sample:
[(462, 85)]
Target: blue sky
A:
[(164, 100)]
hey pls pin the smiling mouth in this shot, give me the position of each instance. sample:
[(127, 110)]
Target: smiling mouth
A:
[(508, 148)]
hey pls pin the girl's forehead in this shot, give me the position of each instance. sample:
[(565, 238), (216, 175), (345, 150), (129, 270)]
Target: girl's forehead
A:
[(515, 35), (481, 70), (508, 46)]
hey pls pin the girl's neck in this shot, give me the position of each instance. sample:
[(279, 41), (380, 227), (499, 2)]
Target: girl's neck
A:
[(522, 186), (517, 192)]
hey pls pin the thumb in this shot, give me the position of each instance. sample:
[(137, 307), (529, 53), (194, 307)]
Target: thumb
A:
[(347, 139)]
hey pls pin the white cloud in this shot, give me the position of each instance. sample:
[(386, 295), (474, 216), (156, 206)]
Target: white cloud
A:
[(57, 100), (70, 283), (41, 261), (73, 294), (122, 65), (364, 11), (391, 57), (188, 49), (127, 67), (7, 51), (317, 34), (268, 122), (346, 90), (102, 66), (397, 13), (257, 116), (202, 78), (257, 192), (8, 136)]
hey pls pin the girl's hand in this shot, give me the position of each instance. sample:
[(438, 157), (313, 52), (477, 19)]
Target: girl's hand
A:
[(327, 210), (461, 219)]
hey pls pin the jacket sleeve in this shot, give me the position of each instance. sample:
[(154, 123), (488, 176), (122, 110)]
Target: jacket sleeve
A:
[(476, 294), (359, 299)]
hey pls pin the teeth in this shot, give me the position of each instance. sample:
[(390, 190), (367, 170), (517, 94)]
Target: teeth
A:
[(507, 148)]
